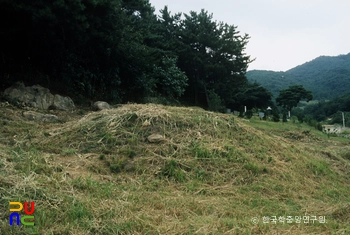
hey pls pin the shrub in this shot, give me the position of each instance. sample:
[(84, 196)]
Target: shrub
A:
[(300, 117), (275, 117), (215, 102), (249, 114), (284, 118)]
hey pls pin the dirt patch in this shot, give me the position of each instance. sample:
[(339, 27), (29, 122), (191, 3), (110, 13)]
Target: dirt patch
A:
[(303, 136)]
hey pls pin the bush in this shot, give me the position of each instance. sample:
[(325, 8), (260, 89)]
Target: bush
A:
[(284, 118), (300, 117), (215, 102), (314, 124), (249, 114), (275, 117)]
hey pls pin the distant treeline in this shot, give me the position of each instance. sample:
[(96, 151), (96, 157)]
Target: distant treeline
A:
[(327, 77), (330, 111)]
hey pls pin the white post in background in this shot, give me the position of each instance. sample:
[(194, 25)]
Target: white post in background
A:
[(289, 114), (343, 120), (245, 109)]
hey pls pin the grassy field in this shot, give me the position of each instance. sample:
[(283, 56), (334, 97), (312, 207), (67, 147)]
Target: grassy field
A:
[(96, 173)]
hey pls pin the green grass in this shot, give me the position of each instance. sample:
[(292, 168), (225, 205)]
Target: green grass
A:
[(212, 175)]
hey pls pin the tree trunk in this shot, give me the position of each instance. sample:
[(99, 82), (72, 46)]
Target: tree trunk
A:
[(206, 94)]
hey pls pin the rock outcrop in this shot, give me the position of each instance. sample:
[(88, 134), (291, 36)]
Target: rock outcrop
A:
[(37, 97), (62, 103)]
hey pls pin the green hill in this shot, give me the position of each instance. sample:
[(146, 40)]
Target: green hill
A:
[(331, 109), (327, 77), (210, 173)]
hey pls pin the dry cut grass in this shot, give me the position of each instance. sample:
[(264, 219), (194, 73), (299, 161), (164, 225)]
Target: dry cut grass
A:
[(211, 174)]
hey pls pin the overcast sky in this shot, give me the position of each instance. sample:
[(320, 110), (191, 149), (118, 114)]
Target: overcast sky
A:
[(284, 33)]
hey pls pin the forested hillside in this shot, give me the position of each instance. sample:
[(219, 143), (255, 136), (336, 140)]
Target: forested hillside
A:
[(122, 51), (331, 109), (327, 77), (273, 81)]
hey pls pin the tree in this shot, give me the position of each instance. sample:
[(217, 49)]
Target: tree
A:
[(121, 51), (290, 97), (211, 54), (168, 80), (253, 95), (275, 116), (73, 45)]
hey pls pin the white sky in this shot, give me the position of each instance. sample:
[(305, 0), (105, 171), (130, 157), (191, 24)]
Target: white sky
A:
[(284, 33)]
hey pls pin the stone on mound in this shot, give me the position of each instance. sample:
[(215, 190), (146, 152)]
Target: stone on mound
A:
[(155, 138), (100, 105), (35, 116)]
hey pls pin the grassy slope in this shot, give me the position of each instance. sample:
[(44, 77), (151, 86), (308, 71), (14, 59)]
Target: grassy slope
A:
[(213, 173)]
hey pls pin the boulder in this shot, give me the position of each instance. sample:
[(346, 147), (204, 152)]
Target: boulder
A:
[(100, 105), (37, 97), (62, 103)]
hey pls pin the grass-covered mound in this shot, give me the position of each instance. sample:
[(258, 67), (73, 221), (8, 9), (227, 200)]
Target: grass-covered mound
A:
[(210, 173)]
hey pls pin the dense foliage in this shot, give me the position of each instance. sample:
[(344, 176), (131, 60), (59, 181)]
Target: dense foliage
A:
[(290, 97), (331, 110), (254, 95), (327, 77), (122, 51)]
